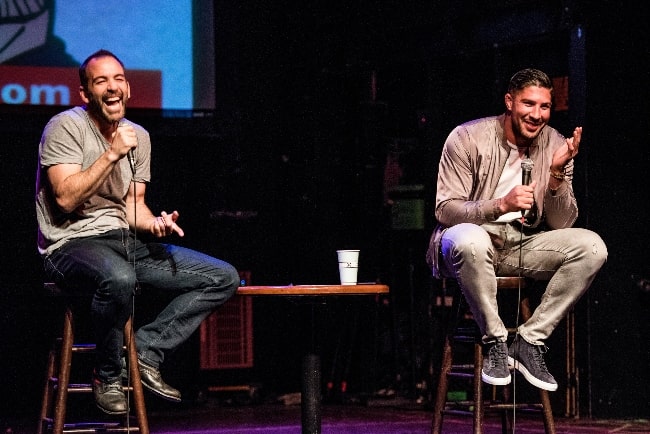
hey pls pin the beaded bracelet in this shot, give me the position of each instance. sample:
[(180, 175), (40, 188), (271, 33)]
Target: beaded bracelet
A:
[(557, 175), (497, 205)]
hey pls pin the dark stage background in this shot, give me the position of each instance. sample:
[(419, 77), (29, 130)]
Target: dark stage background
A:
[(313, 100)]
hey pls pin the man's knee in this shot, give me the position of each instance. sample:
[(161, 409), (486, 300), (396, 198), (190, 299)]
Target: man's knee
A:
[(593, 247), (466, 238), (226, 278), (119, 284), (232, 279), (585, 248)]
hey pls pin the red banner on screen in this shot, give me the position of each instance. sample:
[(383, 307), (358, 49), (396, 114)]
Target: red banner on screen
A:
[(44, 85)]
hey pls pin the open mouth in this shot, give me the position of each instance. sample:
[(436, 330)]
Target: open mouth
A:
[(113, 103)]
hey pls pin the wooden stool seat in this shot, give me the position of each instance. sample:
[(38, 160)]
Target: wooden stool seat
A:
[(58, 386), (455, 334)]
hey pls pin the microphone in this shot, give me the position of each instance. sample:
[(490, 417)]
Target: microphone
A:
[(131, 154), (526, 169), (132, 160)]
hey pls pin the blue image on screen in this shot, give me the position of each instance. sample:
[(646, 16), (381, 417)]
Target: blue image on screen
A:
[(144, 35)]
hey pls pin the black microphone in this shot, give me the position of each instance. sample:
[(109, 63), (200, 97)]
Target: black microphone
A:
[(131, 154), (526, 169), (132, 160)]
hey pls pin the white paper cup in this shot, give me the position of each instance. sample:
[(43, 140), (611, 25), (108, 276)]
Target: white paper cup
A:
[(348, 266)]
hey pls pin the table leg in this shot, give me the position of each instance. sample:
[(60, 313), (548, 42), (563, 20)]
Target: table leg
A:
[(311, 394)]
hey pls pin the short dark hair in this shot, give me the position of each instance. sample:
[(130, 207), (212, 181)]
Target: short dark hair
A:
[(529, 77), (83, 76)]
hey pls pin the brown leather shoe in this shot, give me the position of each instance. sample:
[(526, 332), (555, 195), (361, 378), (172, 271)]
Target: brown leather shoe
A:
[(110, 397), (152, 380)]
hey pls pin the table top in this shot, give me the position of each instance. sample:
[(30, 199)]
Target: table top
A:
[(314, 290)]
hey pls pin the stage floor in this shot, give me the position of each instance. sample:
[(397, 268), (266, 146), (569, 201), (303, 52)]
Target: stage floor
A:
[(382, 417)]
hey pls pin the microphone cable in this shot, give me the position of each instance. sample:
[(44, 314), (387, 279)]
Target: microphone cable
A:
[(136, 289), (130, 338), (526, 165), (518, 310)]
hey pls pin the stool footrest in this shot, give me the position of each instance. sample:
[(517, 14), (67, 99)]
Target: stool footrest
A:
[(461, 374), (466, 367), (98, 427), (87, 388), (83, 348), (467, 407), (506, 406)]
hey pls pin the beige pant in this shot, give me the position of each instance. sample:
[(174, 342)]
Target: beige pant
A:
[(567, 258)]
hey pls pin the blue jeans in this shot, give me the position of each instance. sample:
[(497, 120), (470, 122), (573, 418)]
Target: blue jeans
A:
[(109, 266), (568, 259)]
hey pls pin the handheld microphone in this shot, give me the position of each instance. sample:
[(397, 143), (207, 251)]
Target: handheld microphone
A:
[(131, 154), (131, 157), (526, 170)]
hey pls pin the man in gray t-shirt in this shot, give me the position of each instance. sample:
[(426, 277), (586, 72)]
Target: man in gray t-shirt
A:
[(72, 138), (98, 237)]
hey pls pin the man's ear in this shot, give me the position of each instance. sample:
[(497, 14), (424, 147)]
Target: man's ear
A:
[(508, 101), (83, 94), (128, 91)]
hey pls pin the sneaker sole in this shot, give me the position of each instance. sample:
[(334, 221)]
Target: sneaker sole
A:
[(495, 381), (530, 378)]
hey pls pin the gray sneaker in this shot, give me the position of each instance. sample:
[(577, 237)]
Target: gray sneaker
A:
[(495, 364), (529, 360)]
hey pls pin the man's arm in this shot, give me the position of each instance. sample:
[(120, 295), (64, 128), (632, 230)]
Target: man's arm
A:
[(456, 182), (72, 186), (560, 205), (141, 219)]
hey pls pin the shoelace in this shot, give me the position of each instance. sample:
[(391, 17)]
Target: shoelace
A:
[(114, 386), (107, 387), (538, 356), (497, 354)]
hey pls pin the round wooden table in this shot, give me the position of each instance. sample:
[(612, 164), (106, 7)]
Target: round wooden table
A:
[(310, 402)]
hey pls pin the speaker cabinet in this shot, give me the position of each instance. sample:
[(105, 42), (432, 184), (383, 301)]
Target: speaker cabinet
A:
[(226, 336)]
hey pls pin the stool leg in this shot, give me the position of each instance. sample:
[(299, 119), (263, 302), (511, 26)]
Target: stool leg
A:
[(547, 413), (48, 392), (478, 389), (549, 422), (443, 381), (506, 420), (64, 372), (134, 371), (445, 366)]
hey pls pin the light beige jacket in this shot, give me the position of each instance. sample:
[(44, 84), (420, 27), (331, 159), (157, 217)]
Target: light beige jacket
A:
[(471, 163)]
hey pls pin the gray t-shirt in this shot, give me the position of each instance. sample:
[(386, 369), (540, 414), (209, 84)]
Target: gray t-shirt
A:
[(71, 137)]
